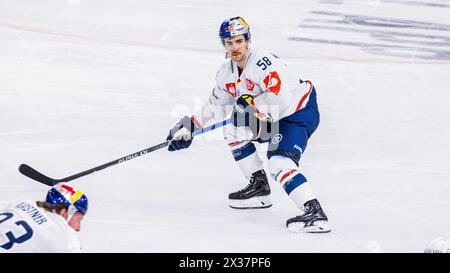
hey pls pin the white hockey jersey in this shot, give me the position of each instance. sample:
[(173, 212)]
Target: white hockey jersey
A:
[(277, 93), (24, 227)]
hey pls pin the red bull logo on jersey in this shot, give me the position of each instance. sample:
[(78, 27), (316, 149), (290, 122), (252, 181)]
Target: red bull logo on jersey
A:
[(231, 88)]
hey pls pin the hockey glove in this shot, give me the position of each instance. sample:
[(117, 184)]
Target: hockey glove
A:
[(180, 135), (244, 114)]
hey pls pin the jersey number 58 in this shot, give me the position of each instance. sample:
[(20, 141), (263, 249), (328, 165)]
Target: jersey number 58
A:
[(264, 63)]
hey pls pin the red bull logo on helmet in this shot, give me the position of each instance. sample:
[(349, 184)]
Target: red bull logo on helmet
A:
[(70, 193)]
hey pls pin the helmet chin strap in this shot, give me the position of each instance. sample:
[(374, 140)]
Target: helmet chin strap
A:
[(70, 212)]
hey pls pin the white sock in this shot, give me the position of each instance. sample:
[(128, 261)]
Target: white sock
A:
[(302, 194), (250, 164)]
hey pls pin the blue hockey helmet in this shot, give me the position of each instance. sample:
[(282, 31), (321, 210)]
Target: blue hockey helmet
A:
[(234, 27), (71, 197)]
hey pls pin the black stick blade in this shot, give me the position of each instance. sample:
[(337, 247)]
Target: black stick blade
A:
[(35, 175)]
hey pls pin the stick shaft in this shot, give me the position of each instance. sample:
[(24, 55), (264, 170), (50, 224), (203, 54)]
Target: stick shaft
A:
[(35, 175)]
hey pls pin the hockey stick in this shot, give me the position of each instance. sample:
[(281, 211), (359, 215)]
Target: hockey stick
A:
[(35, 175)]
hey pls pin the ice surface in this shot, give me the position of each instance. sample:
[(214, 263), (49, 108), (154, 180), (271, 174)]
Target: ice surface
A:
[(85, 82)]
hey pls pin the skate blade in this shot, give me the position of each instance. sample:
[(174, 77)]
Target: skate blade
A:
[(317, 227), (257, 202)]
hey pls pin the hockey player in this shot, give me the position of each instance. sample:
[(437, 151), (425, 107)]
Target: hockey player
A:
[(44, 226), (269, 104)]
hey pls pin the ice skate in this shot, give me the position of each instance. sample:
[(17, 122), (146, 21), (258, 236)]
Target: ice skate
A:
[(254, 196), (313, 220)]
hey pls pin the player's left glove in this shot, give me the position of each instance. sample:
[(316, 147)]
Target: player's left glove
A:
[(180, 135)]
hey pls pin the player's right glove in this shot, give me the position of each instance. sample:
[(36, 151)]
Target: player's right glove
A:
[(180, 135), (244, 114)]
